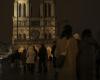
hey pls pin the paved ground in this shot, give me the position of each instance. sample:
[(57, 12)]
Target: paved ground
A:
[(7, 72)]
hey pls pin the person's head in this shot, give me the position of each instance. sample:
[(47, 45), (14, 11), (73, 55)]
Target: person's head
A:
[(76, 36), (86, 34), (67, 31), (42, 45)]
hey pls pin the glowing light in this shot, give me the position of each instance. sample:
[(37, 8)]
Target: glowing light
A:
[(21, 49), (22, 1)]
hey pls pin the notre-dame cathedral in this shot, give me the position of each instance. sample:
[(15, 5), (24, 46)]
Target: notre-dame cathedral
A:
[(28, 30)]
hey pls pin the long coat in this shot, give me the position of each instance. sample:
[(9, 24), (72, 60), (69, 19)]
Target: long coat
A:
[(68, 71), (87, 60), (30, 56), (43, 55)]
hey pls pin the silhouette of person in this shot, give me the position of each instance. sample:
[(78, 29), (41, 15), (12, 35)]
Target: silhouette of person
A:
[(77, 37), (15, 57), (36, 54), (98, 63), (87, 56), (43, 58), (23, 59), (53, 53), (67, 47)]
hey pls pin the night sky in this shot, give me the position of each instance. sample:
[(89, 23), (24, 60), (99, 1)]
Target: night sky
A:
[(79, 13)]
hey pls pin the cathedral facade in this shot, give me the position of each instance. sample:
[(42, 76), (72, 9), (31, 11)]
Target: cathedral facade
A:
[(29, 30)]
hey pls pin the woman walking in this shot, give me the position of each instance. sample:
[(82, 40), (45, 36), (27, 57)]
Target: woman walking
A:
[(30, 59)]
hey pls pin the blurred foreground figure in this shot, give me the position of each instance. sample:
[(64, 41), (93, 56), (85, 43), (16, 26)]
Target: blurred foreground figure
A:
[(43, 58), (87, 56), (66, 51), (77, 37), (53, 54)]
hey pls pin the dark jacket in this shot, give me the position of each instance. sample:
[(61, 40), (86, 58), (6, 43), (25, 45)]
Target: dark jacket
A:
[(42, 54)]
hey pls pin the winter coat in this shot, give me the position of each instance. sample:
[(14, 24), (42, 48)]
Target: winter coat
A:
[(30, 55), (87, 60), (68, 71), (43, 55)]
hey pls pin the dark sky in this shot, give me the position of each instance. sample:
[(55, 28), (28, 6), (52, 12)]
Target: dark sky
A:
[(5, 20), (79, 13)]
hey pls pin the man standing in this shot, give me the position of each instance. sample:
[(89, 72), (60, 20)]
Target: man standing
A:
[(43, 58)]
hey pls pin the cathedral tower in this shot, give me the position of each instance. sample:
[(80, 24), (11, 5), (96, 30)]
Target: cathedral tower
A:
[(47, 14), (20, 21), (29, 30)]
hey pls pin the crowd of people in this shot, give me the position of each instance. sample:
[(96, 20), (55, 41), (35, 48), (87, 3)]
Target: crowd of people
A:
[(74, 57), (77, 57), (30, 56)]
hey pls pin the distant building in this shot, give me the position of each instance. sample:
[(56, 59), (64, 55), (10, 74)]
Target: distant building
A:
[(33, 30)]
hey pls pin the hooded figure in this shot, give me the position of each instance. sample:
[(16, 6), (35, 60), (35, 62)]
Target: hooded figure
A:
[(43, 58), (87, 56)]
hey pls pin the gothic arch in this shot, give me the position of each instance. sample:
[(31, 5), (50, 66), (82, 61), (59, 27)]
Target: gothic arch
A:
[(24, 10), (45, 10), (49, 9), (19, 10)]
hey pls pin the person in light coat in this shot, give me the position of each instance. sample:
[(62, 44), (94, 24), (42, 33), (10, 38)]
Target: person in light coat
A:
[(67, 46), (30, 59)]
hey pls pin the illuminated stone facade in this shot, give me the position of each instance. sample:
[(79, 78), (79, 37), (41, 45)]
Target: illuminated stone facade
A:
[(29, 30)]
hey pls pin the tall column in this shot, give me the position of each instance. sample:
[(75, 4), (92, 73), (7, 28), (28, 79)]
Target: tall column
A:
[(18, 9), (47, 6), (52, 10), (17, 18), (49, 9), (22, 10), (41, 9), (41, 14), (27, 9), (15, 9)]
